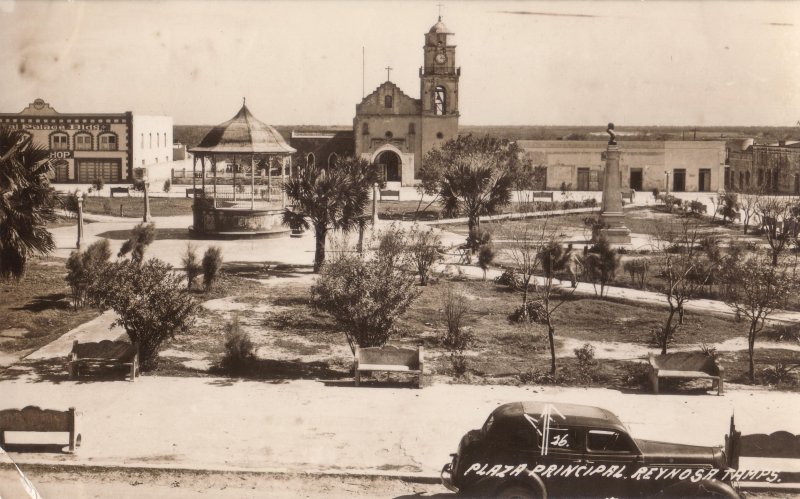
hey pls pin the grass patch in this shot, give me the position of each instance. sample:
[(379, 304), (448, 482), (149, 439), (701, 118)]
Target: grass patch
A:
[(39, 304), (133, 206)]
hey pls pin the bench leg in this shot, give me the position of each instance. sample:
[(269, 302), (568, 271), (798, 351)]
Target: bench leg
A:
[(73, 371), (654, 382), (419, 380), (72, 441), (2, 439), (358, 378), (720, 386)]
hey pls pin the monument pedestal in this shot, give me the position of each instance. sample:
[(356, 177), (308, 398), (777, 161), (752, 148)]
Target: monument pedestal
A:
[(616, 233), (612, 215)]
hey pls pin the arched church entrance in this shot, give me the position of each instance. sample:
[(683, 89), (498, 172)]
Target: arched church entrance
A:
[(390, 165)]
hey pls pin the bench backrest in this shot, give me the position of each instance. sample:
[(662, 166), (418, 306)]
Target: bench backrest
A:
[(390, 355), (543, 195), (32, 418), (685, 361), (106, 349)]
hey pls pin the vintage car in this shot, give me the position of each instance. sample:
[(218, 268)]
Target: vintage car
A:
[(537, 449)]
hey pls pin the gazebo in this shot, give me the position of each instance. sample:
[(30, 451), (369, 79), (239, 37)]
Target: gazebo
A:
[(243, 164)]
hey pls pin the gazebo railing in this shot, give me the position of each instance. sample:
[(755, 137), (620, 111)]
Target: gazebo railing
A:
[(184, 177)]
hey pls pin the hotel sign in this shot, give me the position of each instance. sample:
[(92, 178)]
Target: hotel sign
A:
[(60, 154), (64, 126)]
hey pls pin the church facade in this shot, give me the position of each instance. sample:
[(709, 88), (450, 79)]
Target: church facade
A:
[(395, 131)]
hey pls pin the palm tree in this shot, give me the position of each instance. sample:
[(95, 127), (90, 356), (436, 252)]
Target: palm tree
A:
[(329, 198), (27, 202), (474, 177)]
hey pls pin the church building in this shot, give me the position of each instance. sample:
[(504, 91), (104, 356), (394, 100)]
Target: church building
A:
[(395, 131)]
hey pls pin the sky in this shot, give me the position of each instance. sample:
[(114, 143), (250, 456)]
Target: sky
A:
[(522, 63)]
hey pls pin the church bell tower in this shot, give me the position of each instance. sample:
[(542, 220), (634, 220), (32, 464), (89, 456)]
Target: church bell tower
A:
[(439, 76)]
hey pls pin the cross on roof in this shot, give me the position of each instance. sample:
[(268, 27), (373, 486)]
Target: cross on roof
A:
[(440, 10), (388, 72)]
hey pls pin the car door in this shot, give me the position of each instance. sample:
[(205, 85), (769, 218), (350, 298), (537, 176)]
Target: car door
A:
[(557, 447), (618, 454)]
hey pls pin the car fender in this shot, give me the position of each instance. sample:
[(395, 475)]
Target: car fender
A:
[(703, 488), (530, 480)]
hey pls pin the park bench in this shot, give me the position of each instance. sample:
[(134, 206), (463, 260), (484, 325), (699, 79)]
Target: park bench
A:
[(548, 195), (685, 365), (390, 194), (120, 190), (628, 195), (781, 448), (104, 354), (32, 418), (388, 359), (191, 191)]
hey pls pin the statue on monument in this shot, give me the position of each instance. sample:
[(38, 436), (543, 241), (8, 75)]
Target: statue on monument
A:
[(612, 136)]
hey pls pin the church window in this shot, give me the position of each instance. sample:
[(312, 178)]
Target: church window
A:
[(332, 160), (439, 135), (411, 129), (310, 159), (59, 142), (439, 101), (365, 128), (387, 102), (388, 134)]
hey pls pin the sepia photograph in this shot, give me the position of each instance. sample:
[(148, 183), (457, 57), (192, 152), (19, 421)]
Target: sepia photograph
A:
[(399, 249)]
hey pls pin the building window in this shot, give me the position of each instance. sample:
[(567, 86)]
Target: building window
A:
[(439, 101), (332, 160), (108, 142), (387, 102), (412, 129), (165, 139), (151, 141), (310, 160), (83, 142), (143, 141), (365, 128), (59, 142), (439, 135)]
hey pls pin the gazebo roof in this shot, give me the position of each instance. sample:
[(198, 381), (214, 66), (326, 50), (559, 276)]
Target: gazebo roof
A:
[(243, 134)]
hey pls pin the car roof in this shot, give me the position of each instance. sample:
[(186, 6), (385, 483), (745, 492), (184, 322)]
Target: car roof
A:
[(574, 414)]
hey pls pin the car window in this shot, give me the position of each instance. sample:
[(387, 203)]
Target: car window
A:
[(607, 441), (558, 439)]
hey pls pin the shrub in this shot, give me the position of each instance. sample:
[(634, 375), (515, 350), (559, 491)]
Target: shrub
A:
[(365, 296), (486, 256), (424, 250), (655, 193), (456, 337), (138, 185), (536, 313), (141, 237), (780, 374), (479, 238), (149, 300), (509, 278), (697, 208), (635, 374), (70, 202), (392, 245), (191, 265), (587, 366), (98, 184), (167, 185), (212, 263), (239, 348), (82, 268), (589, 203)]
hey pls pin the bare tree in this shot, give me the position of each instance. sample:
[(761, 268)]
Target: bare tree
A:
[(775, 214), (748, 202), (684, 269), (538, 248), (755, 288)]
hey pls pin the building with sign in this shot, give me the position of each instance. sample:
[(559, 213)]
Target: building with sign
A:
[(88, 146)]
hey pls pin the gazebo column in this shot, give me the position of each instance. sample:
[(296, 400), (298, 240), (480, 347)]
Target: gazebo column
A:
[(194, 177), (234, 177), (252, 182), (283, 181), (269, 180), (203, 173), (214, 167)]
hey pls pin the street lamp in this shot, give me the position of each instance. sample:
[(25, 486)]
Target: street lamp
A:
[(79, 195)]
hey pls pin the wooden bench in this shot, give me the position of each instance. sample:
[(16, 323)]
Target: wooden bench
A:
[(105, 353), (543, 195), (120, 190), (32, 418), (388, 359), (629, 194), (390, 194), (190, 191), (685, 365)]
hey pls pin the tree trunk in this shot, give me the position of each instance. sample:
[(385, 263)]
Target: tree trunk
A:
[(550, 334), (667, 331), (321, 234), (525, 283), (774, 258), (751, 341)]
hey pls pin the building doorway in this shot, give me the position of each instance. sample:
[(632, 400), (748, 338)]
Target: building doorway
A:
[(390, 164), (583, 179), (704, 181), (679, 180), (636, 179)]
